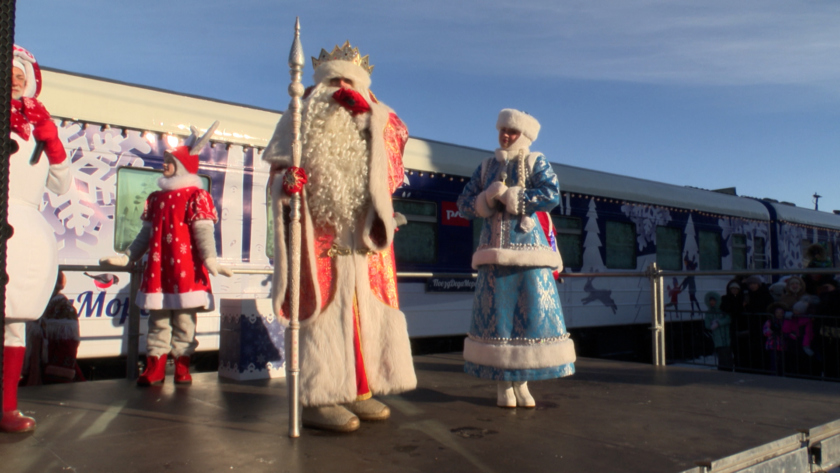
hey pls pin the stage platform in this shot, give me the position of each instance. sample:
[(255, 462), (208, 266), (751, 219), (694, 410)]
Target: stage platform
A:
[(609, 417)]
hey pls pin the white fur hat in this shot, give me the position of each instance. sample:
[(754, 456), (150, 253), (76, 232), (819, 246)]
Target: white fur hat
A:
[(528, 125), (346, 69)]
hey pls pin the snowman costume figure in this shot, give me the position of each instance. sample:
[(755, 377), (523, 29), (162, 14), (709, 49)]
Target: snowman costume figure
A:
[(178, 233), (32, 255)]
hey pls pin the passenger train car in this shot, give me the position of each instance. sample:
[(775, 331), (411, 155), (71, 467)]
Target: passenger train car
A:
[(116, 133)]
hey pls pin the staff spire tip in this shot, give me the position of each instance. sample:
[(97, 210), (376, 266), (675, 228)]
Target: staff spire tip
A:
[(296, 54)]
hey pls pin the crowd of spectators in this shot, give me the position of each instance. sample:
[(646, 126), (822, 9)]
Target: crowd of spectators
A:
[(791, 327)]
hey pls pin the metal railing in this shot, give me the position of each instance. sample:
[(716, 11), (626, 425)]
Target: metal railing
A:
[(132, 337), (802, 345), (659, 313), (660, 343), (657, 277)]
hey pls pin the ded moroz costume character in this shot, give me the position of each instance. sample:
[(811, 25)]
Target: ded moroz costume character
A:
[(517, 332), (32, 254), (178, 232), (353, 337)]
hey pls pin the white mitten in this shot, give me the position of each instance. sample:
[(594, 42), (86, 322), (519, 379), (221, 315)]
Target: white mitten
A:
[(116, 260), (494, 191), (216, 269), (399, 219), (511, 199)]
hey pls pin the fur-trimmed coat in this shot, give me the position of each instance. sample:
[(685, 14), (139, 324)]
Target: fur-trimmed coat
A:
[(503, 240), (360, 270)]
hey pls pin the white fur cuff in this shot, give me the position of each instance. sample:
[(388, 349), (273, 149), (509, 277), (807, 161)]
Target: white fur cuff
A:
[(542, 258), (520, 357), (513, 198), (482, 207)]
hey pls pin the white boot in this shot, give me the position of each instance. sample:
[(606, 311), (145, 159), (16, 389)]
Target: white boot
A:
[(505, 396), (523, 397), (369, 410), (335, 418)]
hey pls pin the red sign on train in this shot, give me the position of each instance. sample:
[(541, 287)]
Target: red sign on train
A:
[(451, 216)]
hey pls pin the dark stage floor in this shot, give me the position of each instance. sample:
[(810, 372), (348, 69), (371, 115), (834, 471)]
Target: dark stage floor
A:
[(609, 417)]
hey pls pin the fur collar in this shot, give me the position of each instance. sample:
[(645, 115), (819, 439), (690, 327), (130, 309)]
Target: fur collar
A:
[(505, 155), (179, 182), (520, 147)]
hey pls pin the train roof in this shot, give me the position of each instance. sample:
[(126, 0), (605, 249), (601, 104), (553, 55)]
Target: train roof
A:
[(102, 101), (588, 181), (804, 216), (428, 155), (95, 100)]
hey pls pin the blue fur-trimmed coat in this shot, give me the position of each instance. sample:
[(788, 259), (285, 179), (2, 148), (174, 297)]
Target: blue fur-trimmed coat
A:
[(517, 332), (502, 240)]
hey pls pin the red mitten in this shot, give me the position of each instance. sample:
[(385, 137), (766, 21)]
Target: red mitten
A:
[(352, 101), (35, 111), (293, 180), (48, 134), (44, 130)]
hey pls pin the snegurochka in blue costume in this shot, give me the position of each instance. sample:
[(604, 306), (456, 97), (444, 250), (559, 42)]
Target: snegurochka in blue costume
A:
[(517, 332)]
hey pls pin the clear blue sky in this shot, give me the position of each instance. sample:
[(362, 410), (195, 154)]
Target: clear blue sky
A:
[(704, 93)]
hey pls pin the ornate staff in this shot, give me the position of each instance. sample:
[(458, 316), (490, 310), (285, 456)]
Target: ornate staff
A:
[(293, 363)]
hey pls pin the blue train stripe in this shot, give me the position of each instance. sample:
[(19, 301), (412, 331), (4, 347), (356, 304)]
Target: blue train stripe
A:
[(247, 201)]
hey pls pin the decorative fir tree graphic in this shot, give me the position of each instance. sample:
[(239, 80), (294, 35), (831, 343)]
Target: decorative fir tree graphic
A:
[(593, 261), (691, 257), (592, 244)]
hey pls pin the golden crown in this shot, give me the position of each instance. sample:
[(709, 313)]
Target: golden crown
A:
[(345, 53)]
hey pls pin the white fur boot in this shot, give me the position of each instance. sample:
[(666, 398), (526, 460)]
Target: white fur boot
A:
[(505, 396), (523, 397), (335, 418), (369, 410)]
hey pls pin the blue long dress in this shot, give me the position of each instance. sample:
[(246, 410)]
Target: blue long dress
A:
[(517, 331)]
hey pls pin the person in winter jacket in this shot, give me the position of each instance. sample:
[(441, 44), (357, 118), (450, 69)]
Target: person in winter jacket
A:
[(827, 327), (717, 322), (776, 343), (55, 340), (732, 304), (794, 291), (816, 257), (757, 298), (799, 330)]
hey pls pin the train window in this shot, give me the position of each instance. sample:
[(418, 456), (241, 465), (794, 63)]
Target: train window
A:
[(739, 252), (621, 245), (416, 242), (829, 254), (669, 248), (709, 250), (133, 186), (569, 233), (759, 253)]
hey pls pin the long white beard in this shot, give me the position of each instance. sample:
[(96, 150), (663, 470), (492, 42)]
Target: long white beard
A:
[(336, 161)]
